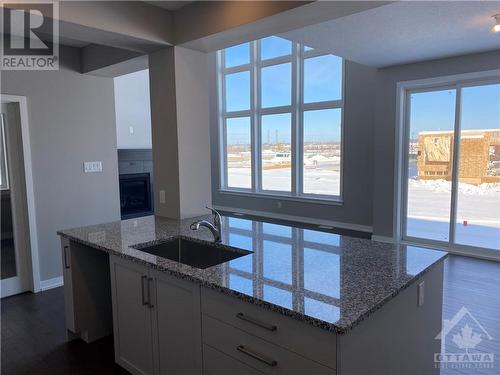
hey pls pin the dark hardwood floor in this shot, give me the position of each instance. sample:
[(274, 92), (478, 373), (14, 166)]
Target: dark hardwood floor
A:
[(33, 339)]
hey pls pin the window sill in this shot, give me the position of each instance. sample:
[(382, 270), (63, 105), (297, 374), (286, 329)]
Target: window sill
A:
[(276, 196)]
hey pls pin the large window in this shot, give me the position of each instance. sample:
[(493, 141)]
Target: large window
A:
[(452, 165), (280, 109)]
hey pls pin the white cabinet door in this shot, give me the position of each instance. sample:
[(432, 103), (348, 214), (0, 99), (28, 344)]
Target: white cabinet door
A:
[(131, 316), (177, 325), (68, 286)]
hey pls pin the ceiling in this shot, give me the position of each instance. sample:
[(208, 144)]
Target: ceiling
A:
[(169, 5), (406, 32)]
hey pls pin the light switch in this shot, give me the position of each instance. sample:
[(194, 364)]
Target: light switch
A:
[(131, 129), (420, 294), (92, 166), (162, 196)]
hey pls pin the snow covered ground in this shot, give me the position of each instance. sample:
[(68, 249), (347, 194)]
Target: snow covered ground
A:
[(478, 216), (478, 212), (317, 181)]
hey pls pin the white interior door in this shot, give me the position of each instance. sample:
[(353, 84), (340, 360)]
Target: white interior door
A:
[(15, 266)]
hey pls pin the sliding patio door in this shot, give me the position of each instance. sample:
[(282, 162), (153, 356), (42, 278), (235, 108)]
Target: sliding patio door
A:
[(451, 182)]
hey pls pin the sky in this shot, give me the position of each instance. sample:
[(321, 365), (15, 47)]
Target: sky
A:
[(322, 82), (431, 111)]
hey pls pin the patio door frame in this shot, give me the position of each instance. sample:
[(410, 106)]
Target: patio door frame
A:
[(404, 91)]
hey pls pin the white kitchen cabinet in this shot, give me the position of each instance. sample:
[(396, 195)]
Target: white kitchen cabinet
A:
[(157, 321), (87, 296), (133, 337), (176, 325), (68, 286), (260, 354), (217, 363)]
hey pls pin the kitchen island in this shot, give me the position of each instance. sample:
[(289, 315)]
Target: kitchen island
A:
[(294, 301)]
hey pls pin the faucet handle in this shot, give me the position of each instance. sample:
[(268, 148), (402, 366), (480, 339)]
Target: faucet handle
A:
[(216, 215)]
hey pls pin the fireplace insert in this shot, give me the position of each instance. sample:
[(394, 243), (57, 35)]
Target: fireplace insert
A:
[(136, 198)]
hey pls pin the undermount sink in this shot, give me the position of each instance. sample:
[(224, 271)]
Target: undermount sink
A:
[(192, 253)]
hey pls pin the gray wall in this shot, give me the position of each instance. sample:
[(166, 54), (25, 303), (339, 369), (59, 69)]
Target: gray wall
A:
[(385, 124), (71, 118), (132, 108), (357, 158), (180, 128)]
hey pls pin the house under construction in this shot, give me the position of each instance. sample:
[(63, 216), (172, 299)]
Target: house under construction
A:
[(479, 156)]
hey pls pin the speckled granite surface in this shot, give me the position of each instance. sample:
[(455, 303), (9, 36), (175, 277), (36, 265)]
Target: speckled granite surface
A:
[(327, 280)]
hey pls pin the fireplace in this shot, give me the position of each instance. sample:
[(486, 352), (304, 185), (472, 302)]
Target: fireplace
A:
[(135, 195)]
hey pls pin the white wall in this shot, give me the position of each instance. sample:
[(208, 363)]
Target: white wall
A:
[(180, 128), (71, 118), (193, 131), (133, 110)]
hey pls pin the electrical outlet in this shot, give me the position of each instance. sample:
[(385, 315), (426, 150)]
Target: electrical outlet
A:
[(131, 129), (420, 294), (280, 205), (92, 166)]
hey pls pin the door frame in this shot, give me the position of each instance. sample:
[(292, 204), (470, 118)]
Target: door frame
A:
[(400, 170), (32, 252)]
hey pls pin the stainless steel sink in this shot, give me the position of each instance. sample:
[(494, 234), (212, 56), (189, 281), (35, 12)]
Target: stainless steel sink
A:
[(192, 253)]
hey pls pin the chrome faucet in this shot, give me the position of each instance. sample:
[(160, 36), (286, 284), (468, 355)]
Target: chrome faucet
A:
[(214, 228)]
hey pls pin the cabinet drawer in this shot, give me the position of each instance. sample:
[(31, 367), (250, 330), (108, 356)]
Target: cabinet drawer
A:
[(256, 352), (311, 342), (218, 363)]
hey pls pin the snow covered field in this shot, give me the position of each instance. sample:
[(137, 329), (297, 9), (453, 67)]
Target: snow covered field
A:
[(478, 216), (478, 212), (319, 181)]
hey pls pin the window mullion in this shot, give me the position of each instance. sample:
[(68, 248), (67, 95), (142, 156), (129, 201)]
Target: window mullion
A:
[(295, 116), (300, 122), (255, 106), (221, 84), (455, 162)]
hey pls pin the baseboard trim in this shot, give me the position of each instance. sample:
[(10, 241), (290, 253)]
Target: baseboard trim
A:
[(299, 219), (382, 239), (51, 283)]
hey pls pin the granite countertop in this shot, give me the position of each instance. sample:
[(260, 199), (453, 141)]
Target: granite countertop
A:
[(327, 280)]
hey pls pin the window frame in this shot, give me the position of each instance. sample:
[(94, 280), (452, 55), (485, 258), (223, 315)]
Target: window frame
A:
[(3, 155), (297, 108), (404, 90)]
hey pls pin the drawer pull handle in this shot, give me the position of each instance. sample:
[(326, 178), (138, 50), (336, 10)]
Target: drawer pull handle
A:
[(257, 356), (150, 285), (143, 286), (246, 318), (65, 251)]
